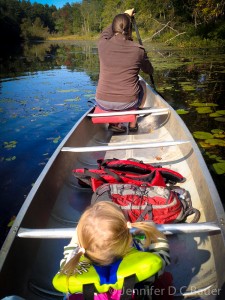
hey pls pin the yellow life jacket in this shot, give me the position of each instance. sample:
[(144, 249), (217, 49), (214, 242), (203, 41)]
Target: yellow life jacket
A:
[(142, 264)]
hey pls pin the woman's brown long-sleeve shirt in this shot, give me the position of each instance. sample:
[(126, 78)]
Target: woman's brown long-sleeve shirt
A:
[(120, 63)]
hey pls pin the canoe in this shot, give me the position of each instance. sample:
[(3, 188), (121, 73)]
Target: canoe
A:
[(33, 248)]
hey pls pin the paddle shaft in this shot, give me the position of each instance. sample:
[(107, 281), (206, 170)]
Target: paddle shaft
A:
[(140, 42)]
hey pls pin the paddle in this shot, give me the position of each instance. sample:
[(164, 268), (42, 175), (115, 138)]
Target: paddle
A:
[(140, 42)]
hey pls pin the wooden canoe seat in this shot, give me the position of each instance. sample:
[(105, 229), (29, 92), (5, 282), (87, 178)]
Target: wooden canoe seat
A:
[(126, 118)]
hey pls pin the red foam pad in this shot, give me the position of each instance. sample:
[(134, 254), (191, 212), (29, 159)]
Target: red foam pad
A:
[(112, 119)]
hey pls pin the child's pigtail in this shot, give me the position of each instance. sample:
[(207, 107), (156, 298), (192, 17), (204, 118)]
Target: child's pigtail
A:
[(70, 267), (152, 234)]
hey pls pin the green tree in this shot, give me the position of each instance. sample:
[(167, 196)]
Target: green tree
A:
[(111, 8), (77, 19), (9, 22), (210, 10), (64, 19), (33, 30)]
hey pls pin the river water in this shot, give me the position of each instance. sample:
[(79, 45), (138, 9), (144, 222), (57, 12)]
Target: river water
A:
[(46, 88)]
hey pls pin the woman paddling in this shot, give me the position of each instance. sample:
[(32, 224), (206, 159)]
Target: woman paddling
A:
[(121, 59)]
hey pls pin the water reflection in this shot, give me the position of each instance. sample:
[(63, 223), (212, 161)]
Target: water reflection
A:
[(46, 56)]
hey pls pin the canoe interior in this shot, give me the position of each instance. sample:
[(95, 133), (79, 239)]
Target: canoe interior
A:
[(57, 201)]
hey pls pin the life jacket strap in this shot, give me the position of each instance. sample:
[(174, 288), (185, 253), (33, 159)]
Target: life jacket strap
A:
[(128, 286), (88, 291)]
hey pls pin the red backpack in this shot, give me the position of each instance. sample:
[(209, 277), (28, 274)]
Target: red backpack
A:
[(126, 171), (139, 167), (149, 203)]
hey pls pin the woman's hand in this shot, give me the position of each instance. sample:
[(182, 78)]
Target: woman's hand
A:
[(130, 12)]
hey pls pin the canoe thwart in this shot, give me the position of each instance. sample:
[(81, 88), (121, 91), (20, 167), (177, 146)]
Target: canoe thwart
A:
[(103, 113), (125, 147), (168, 229), (51, 233), (101, 116)]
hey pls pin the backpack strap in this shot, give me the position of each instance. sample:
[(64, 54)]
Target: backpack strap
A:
[(93, 175), (94, 178), (194, 211), (146, 211), (113, 174), (185, 198), (139, 167)]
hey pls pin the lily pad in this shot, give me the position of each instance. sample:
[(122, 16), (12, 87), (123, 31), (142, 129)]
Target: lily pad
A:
[(11, 221), (202, 135), (215, 157), (212, 156), (182, 111), (214, 115), (68, 91), (217, 130), (215, 142), (10, 145), (219, 159), (188, 88), (10, 224), (204, 110), (56, 140), (221, 112), (221, 119), (10, 158), (219, 168), (89, 95), (69, 100), (200, 104), (204, 144), (219, 135)]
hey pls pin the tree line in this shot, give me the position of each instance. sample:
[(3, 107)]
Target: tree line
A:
[(162, 20)]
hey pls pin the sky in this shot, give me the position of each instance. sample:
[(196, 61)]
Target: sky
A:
[(57, 3)]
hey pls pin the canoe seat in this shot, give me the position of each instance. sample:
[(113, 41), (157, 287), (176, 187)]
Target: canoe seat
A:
[(112, 119)]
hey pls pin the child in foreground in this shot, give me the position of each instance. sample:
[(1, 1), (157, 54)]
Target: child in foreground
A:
[(103, 252)]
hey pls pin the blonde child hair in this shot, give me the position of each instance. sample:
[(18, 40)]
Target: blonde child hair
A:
[(103, 235)]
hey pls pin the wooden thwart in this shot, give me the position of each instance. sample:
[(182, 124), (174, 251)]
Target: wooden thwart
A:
[(61, 233)]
